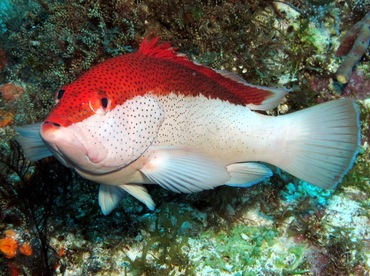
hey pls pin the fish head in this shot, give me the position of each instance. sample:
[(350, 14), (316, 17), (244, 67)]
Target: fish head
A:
[(97, 132)]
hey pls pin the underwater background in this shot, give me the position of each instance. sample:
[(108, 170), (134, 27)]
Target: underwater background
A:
[(51, 223)]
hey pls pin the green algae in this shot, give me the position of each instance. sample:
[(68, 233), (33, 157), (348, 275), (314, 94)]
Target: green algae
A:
[(239, 248), (295, 253), (167, 235)]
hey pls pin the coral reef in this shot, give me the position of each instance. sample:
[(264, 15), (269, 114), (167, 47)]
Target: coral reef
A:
[(280, 227), (11, 243), (8, 246), (358, 85), (354, 45), (10, 91), (26, 249)]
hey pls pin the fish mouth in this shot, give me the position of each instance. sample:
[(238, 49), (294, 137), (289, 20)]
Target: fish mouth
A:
[(70, 148)]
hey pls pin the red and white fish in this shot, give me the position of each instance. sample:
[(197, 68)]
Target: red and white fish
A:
[(155, 117)]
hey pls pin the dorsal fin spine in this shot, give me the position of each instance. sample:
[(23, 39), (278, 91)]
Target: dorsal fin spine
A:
[(153, 48)]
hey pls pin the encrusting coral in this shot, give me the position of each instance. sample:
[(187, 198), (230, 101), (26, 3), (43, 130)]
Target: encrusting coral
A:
[(354, 45), (26, 249), (9, 244), (9, 247), (10, 91)]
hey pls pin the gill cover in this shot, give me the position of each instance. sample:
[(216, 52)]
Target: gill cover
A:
[(124, 132)]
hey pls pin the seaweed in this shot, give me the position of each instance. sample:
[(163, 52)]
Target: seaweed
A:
[(345, 256), (239, 249), (29, 199), (168, 233)]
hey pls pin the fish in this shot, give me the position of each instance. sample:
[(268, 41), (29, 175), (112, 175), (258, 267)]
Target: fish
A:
[(156, 117)]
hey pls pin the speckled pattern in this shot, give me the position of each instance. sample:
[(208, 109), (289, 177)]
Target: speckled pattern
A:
[(154, 117), (156, 68), (282, 226)]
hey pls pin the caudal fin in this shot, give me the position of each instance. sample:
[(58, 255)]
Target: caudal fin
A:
[(322, 143)]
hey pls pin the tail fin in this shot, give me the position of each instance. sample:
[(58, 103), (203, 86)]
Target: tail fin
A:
[(323, 142)]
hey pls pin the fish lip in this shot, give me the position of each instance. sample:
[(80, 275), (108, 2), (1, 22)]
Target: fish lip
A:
[(75, 150), (52, 133)]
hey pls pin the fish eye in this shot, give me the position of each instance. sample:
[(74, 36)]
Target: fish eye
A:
[(100, 107), (59, 95), (104, 103)]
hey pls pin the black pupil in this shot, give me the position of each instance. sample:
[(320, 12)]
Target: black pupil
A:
[(60, 94), (104, 102)]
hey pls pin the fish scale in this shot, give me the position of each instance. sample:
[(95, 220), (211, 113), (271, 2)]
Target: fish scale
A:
[(235, 136), (155, 117)]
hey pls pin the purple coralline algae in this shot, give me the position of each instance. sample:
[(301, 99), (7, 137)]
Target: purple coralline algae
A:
[(358, 85)]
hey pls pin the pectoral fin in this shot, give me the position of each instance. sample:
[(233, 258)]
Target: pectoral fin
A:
[(247, 174), (184, 170)]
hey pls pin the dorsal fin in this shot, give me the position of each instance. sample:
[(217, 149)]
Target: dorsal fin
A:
[(254, 96), (164, 50)]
